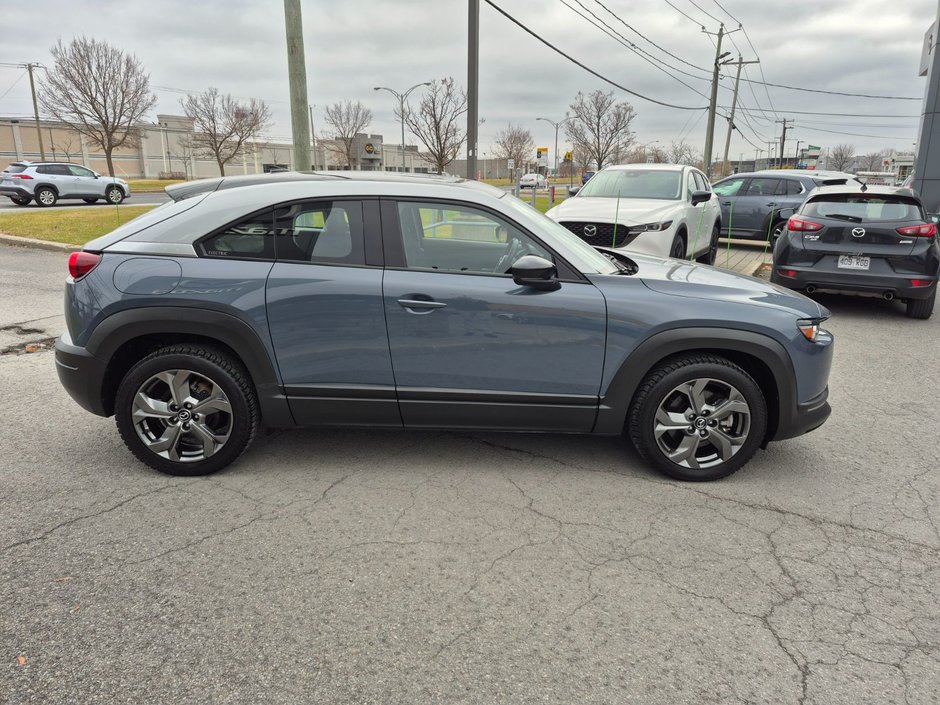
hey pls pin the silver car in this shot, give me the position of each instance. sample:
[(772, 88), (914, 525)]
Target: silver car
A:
[(47, 182)]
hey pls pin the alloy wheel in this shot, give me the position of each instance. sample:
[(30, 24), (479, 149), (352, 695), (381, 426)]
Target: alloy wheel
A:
[(115, 196), (702, 423), (182, 415), (46, 197)]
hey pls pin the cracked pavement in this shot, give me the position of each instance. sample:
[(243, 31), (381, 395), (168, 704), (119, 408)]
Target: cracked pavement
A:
[(357, 566)]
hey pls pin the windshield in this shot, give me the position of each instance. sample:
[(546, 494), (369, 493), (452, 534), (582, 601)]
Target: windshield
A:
[(584, 257), (864, 208), (635, 183)]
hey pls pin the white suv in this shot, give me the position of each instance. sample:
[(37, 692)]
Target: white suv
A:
[(657, 209), (47, 182)]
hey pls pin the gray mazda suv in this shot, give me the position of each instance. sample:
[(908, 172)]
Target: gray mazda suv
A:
[(395, 301), (48, 182)]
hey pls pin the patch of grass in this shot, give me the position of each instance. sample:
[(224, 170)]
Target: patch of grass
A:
[(151, 184), (72, 227)]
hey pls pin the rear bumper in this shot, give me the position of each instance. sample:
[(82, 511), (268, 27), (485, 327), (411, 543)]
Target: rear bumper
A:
[(804, 418), (81, 374), (854, 282), (15, 191)]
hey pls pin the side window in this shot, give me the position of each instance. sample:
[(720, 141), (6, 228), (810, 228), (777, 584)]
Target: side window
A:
[(80, 171), (322, 232), (449, 238), (250, 238), (45, 169), (730, 187), (689, 185), (762, 187), (793, 187)]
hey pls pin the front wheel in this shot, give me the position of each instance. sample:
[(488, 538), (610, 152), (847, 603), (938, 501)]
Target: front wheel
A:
[(711, 254), (698, 417), (187, 410), (677, 249), (922, 308), (114, 195)]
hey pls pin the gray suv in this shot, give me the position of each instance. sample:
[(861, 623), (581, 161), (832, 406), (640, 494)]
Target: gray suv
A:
[(47, 182), (395, 301)]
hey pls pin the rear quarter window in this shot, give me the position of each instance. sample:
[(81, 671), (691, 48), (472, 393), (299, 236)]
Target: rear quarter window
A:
[(15, 169)]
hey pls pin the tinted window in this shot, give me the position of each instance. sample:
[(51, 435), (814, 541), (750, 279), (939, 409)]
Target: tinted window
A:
[(322, 232), (80, 171), (866, 208), (635, 183), (448, 238), (793, 187), (762, 187), (15, 169), (250, 238), (729, 187)]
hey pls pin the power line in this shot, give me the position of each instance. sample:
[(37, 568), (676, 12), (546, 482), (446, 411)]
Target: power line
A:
[(13, 85), (691, 19), (858, 134), (616, 36), (699, 7), (858, 115), (586, 68)]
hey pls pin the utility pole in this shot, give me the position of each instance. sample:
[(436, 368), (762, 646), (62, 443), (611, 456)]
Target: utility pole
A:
[(783, 138), (713, 101), (297, 79), (734, 103), (32, 88), (473, 86), (313, 138)]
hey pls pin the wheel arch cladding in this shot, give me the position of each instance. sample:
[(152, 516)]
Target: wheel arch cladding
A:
[(763, 358), (122, 339)]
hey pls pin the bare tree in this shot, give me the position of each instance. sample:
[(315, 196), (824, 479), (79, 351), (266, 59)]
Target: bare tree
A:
[(647, 153), (600, 126), (516, 143), (681, 152), (184, 152), (437, 121), (873, 161), (347, 120), (840, 157), (66, 142), (99, 91), (223, 126)]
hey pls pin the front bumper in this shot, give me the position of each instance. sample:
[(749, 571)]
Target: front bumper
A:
[(853, 281), (81, 374), (804, 418)]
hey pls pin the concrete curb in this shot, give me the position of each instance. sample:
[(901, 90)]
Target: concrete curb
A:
[(35, 244)]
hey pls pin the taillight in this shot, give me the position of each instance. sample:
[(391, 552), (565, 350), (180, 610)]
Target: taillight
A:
[(921, 282), (798, 225), (80, 263), (925, 230), (19, 176), (789, 273)]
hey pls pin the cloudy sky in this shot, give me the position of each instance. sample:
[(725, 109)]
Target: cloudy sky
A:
[(852, 46)]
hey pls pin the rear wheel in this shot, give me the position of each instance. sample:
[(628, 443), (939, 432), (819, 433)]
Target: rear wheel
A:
[(187, 410), (922, 308), (677, 249), (21, 200), (698, 417), (114, 195), (712, 252), (46, 197), (776, 232), (90, 200)]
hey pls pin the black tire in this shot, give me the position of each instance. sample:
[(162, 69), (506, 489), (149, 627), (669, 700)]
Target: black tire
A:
[(776, 232), (660, 386), (21, 200), (114, 195), (677, 248), (711, 254), (90, 200), (219, 369), (46, 196), (922, 308)]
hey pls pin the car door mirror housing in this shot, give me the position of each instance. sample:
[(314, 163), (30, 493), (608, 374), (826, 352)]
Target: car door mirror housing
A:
[(701, 197), (573, 190), (536, 272)]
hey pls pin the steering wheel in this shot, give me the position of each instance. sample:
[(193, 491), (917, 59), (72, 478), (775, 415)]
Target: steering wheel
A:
[(510, 255)]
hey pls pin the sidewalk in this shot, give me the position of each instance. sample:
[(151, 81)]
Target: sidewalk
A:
[(744, 256)]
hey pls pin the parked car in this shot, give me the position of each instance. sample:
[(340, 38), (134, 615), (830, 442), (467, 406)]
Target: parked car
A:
[(586, 176), (48, 182), (391, 301), (533, 181), (659, 209), (870, 240), (756, 206)]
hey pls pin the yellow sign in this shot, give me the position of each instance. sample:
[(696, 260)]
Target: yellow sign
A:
[(568, 156)]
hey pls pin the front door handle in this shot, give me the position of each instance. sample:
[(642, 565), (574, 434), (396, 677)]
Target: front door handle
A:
[(726, 203), (420, 306)]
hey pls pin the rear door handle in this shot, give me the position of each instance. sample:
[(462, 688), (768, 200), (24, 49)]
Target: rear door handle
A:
[(419, 306)]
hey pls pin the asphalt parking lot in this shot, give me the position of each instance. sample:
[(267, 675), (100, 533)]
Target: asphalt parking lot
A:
[(382, 567)]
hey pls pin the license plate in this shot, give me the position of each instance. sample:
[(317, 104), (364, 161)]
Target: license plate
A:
[(854, 262), (6, 181)]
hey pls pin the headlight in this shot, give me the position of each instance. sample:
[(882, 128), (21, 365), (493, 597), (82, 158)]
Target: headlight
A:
[(652, 227)]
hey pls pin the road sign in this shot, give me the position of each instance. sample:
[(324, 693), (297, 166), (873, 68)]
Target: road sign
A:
[(511, 163), (568, 156), (541, 156)]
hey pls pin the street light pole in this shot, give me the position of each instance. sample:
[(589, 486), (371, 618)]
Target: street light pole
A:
[(555, 125), (402, 97)]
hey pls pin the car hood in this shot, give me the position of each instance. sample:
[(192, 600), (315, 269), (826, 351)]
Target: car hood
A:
[(700, 281), (632, 211)]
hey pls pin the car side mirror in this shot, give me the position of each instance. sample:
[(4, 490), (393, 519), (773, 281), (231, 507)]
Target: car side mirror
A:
[(97, 175), (701, 197), (934, 218), (573, 190), (536, 272)]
